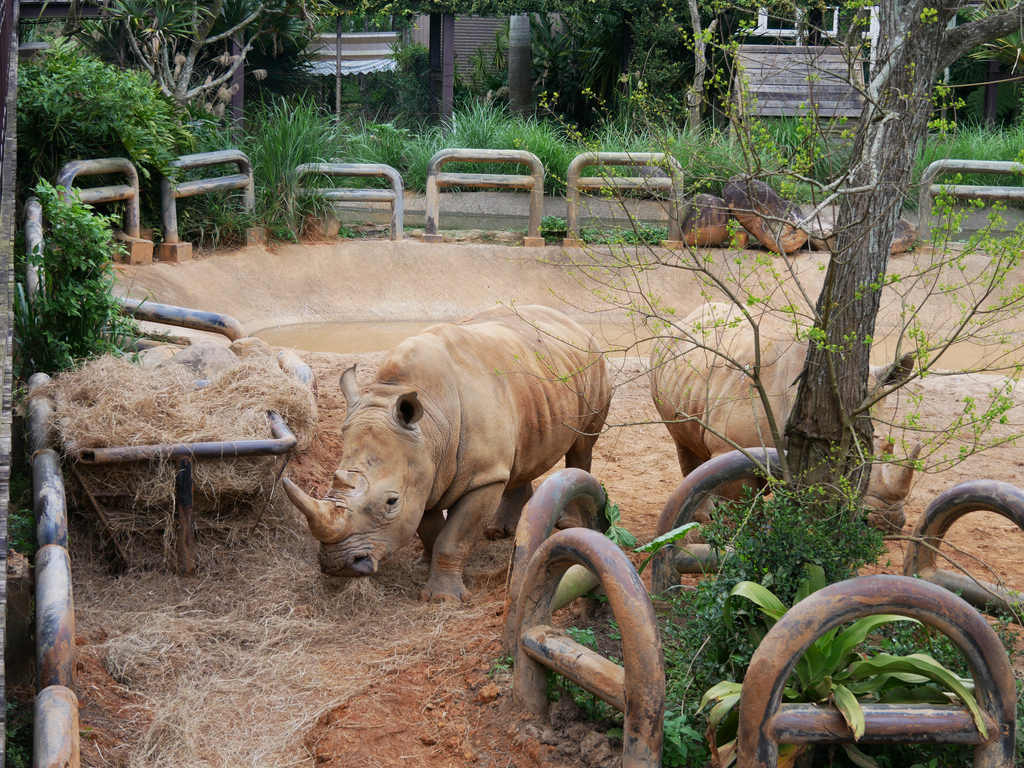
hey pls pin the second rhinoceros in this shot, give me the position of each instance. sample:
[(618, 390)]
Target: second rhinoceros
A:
[(703, 390), (457, 422)]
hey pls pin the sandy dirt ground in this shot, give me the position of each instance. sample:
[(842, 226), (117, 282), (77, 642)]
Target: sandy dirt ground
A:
[(259, 660)]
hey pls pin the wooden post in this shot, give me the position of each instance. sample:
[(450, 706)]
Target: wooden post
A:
[(238, 82), (447, 66), (18, 649), (186, 524), (992, 94), (337, 72), (434, 59)]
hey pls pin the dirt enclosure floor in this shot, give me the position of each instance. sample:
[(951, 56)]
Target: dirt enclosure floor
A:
[(259, 660)]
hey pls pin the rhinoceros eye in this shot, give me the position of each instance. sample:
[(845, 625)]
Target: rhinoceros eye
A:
[(391, 507)]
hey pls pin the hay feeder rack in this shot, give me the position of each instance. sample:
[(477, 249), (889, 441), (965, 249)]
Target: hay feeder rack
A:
[(185, 454)]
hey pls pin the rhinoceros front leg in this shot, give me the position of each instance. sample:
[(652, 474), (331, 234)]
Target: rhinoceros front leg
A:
[(466, 521)]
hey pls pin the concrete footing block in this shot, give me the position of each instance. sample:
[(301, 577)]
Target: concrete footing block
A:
[(137, 250), (174, 252), (256, 236), (533, 242)]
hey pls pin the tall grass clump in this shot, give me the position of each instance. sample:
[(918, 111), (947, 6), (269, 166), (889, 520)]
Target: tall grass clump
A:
[(289, 135), (490, 126), (552, 144), (380, 143), (219, 219)]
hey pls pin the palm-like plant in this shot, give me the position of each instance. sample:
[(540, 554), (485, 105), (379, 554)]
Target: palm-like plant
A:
[(834, 670)]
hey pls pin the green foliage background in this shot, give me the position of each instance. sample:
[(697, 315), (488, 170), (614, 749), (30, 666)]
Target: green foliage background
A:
[(72, 106)]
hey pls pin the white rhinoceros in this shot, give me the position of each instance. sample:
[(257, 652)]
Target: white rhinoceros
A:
[(461, 417), (702, 391)]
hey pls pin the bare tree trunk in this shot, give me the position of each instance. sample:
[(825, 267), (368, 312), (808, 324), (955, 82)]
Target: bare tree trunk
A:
[(828, 428), (520, 60), (695, 96)]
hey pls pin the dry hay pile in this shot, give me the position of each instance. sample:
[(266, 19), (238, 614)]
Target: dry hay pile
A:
[(112, 403), (248, 665)]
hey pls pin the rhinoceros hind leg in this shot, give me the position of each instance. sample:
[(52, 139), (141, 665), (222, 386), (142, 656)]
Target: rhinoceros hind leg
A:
[(506, 519)]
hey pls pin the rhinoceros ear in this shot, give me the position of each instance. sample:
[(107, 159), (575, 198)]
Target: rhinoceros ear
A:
[(408, 409), (349, 388), (899, 371)]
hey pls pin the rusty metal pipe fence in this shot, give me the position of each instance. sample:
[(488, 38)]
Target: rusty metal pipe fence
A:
[(933, 525), (674, 559), (765, 722), (33, 244), (575, 183), (56, 737), (542, 559), (127, 192), (436, 179), (183, 317), (566, 489), (930, 190), (171, 191), (395, 196), (638, 687)]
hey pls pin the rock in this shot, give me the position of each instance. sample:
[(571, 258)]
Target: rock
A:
[(821, 229), (903, 239), (205, 359), (763, 214), (488, 693), (154, 356), (250, 345), (706, 222), (596, 752), (821, 232), (563, 712)]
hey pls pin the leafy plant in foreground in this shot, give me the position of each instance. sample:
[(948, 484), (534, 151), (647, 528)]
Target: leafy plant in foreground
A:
[(833, 670), (74, 314)]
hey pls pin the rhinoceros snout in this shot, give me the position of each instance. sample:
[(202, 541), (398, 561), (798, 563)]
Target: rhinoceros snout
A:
[(335, 563), (364, 566)]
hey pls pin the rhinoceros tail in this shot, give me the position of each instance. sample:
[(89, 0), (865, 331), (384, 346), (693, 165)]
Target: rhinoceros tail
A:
[(329, 522)]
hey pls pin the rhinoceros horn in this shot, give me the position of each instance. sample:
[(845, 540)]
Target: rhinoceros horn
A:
[(349, 388), (328, 521)]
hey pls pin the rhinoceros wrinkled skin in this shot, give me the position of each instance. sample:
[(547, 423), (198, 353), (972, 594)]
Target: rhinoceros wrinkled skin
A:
[(461, 417), (700, 395)]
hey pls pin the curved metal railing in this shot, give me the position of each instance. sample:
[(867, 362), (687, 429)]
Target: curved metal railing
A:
[(395, 195), (933, 525), (765, 721), (673, 184), (534, 182)]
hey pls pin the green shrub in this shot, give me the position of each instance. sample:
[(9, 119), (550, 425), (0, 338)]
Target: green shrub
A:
[(290, 135), (74, 107), (402, 95), (74, 315)]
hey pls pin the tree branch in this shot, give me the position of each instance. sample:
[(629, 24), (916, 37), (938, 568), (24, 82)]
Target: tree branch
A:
[(974, 33)]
